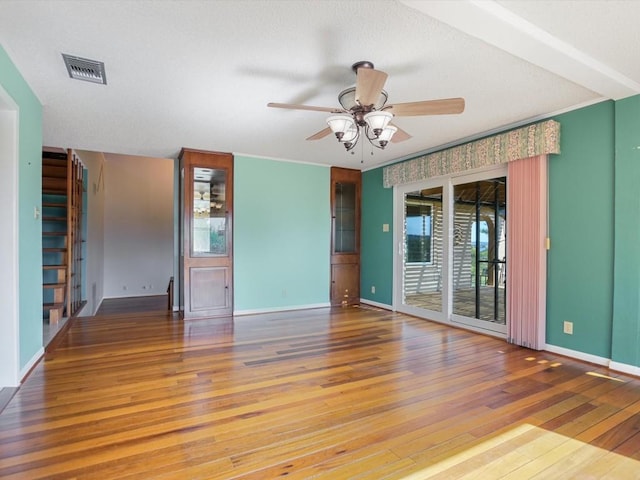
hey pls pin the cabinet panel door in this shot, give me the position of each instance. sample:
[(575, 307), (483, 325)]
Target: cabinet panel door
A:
[(209, 288), (345, 284)]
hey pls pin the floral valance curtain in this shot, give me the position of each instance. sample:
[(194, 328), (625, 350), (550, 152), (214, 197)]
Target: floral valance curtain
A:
[(537, 139)]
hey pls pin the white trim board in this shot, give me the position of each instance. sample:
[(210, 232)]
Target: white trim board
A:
[(384, 306), (624, 368), (31, 363), (280, 309), (9, 243), (575, 354), (586, 357)]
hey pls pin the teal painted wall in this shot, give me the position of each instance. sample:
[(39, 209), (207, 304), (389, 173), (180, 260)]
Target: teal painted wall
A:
[(626, 307), (376, 263), (29, 197), (580, 262), (281, 234)]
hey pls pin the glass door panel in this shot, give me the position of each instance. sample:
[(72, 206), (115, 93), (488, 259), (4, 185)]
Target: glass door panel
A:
[(209, 227), (423, 249), (344, 240), (479, 251)]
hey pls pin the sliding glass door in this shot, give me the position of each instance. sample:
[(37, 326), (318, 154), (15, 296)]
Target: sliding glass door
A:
[(479, 254), (423, 249), (451, 259)]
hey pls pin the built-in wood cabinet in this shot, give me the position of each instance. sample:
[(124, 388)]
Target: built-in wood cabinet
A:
[(207, 233), (346, 185)]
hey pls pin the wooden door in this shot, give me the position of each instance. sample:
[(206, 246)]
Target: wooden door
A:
[(207, 243), (345, 236)]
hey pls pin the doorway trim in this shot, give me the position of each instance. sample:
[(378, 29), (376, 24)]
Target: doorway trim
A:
[(10, 323)]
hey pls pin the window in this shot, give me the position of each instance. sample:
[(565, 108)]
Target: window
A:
[(418, 228)]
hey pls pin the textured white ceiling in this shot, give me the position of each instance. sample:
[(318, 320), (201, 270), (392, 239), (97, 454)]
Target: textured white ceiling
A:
[(199, 73)]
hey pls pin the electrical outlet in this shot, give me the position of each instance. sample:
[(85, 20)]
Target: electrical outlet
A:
[(373, 289), (568, 328)]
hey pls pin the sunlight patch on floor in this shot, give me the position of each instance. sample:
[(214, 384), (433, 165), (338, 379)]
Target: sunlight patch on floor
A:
[(529, 452), (601, 375)]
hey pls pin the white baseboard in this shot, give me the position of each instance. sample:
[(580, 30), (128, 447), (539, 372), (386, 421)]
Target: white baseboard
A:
[(585, 357), (624, 368), (280, 309), (27, 368), (376, 304)]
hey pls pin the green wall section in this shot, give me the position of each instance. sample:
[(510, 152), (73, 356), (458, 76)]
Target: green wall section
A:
[(376, 264), (29, 197), (580, 262), (281, 234), (626, 306)]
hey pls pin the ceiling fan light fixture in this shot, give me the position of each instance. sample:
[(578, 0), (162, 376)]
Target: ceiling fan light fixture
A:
[(377, 121), (340, 124), (385, 136), (350, 135), (387, 133)]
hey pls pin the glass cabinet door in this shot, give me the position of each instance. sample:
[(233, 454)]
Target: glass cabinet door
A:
[(210, 224), (344, 240)]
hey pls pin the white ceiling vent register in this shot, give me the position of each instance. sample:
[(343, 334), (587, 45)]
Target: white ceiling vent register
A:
[(85, 69)]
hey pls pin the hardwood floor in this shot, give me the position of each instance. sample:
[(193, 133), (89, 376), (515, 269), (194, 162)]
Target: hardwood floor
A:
[(347, 393), (151, 303)]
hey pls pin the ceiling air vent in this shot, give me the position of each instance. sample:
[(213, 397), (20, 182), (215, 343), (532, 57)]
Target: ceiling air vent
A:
[(85, 69)]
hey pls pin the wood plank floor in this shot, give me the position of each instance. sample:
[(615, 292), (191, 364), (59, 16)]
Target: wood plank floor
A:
[(149, 303), (348, 393)]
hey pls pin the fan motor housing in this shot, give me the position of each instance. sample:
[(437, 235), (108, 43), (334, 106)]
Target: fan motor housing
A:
[(362, 64), (347, 99)]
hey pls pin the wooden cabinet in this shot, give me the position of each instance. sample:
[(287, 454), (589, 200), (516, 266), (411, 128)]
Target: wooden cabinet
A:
[(346, 187), (207, 234)]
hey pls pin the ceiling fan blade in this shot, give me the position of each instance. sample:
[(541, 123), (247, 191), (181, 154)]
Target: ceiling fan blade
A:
[(444, 106), (292, 106), (369, 84), (321, 134), (400, 135)]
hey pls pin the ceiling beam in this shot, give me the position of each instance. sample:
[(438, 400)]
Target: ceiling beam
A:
[(496, 25)]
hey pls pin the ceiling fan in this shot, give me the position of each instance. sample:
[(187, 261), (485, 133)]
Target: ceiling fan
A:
[(364, 110)]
